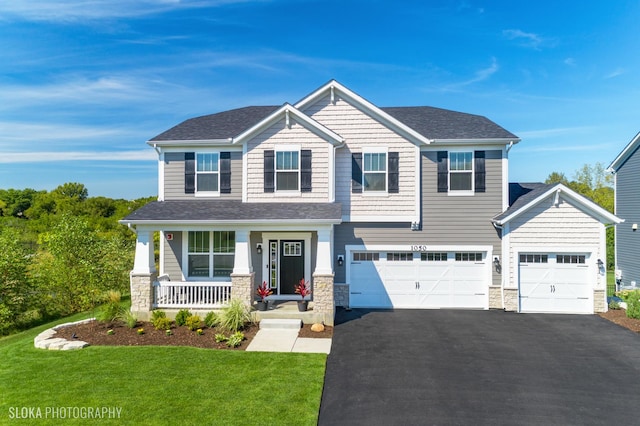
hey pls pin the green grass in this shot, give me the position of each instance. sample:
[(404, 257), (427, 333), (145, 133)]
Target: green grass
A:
[(611, 283), (160, 385)]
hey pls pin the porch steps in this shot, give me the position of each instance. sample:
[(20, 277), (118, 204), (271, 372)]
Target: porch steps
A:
[(288, 310), (280, 324)]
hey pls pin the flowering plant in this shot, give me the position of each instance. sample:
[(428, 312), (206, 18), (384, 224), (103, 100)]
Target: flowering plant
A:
[(199, 331), (141, 331), (264, 291), (168, 332), (303, 289), (110, 332)]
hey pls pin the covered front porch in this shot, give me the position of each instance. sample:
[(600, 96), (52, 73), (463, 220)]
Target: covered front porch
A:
[(271, 254)]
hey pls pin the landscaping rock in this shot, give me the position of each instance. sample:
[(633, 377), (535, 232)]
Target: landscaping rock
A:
[(317, 327)]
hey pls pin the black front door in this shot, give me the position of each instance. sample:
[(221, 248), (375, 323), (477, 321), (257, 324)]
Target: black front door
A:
[(291, 265)]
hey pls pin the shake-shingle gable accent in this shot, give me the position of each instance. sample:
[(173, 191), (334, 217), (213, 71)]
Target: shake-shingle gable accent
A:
[(234, 211)]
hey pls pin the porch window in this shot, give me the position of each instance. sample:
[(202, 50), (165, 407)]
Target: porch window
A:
[(211, 254)]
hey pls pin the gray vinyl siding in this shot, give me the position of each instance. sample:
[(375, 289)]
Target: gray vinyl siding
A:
[(628, 208), (446, 220), (174, 177), (173, 256)]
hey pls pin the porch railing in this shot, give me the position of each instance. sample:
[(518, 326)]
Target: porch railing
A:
[(194, 295)]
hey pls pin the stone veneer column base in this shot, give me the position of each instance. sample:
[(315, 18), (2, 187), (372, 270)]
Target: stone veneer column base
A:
[(323, 302), (142, 294), (495, 297), (599, 301), (510, 299), (242, 287)]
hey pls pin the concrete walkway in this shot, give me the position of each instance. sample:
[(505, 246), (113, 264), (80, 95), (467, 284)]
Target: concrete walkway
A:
[(281, 335)]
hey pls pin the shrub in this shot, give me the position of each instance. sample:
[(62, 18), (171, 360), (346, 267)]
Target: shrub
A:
[(220, 338), (163, 323), (235, 316), (111, 309), (235, 339), (181, 317), (192, 322), (633, 304), (130, 319), (614, 305), (212, 319), (159, 320)]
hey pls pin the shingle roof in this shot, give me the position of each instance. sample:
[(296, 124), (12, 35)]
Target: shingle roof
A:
[(432, 123), (233, 210), (438, 123), (520, 194)]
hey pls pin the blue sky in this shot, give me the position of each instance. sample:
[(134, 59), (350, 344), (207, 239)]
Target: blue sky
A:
[(85, 83)]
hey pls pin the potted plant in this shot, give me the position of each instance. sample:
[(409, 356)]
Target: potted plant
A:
[(304, 290), (263, 291)]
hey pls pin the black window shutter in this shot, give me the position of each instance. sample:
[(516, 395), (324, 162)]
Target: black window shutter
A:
[(480, 174), (225, 173), (393, 173), (269, 171), (356, 172), (305, 170), (443, 171), (189, 172)]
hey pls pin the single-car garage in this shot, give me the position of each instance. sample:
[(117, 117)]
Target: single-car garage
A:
[(555, 282), (434, 278)]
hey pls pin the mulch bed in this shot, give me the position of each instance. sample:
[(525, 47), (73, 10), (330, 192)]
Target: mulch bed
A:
[(96, 334), (619, 316)]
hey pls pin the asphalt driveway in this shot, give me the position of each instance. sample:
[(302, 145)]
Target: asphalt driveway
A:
[(447, 367)]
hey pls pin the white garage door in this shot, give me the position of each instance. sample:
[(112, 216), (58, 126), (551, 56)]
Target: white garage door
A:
[(555, 282), (418, 280)]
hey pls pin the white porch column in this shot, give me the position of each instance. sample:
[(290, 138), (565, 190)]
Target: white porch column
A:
[(144, 262), (242, 258), (324, 261)]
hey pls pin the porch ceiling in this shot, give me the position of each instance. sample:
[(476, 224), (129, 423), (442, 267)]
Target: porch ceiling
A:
[(234, 211)]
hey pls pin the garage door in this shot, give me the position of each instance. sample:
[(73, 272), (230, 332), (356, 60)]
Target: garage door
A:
[(555, 282), (418, 280)]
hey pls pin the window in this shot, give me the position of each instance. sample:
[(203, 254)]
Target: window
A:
[(366, 256), (375, 171), (210, 254), (468, 257), (460, 171), (571, 258), (534, 258), (292, 248), (399, 256), (433, 257), (207, 172), (287, 170)]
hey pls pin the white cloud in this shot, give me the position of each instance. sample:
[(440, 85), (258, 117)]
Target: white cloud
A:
[(64, 11), (615, 73), (530, 40), (570, 61), (479, 76), (49, 157), (20, 132), (554, 132)]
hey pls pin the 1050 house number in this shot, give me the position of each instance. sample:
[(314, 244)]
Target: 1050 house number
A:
[(418, 248)]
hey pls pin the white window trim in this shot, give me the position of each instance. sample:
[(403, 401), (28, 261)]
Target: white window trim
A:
[(211, 254), (206, 193), (287, 148), (376, 150), (464, 192)]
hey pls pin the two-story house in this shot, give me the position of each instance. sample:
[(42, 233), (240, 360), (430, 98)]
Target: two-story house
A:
[(401, 207), (626, 169)]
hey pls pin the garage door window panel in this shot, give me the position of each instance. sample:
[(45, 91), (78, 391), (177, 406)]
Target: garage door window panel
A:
[(433, 257), (399, 257), (571, 258), (468, 257), (534, 258), (366, 256)]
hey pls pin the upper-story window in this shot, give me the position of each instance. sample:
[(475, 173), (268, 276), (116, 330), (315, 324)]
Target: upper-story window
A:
[(461, 171), (374, 171), (207, 172), (287, 170)]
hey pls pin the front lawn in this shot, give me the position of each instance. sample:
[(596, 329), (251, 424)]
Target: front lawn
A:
[(158, 385)]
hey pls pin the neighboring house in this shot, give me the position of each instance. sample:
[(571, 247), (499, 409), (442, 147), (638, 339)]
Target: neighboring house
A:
[(626, 169), (376, 207)]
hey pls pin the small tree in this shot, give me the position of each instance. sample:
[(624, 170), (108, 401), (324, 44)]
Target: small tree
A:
[(15, 286)]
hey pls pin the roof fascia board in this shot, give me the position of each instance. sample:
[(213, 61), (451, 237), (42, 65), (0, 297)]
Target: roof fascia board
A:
[(362, 103), (589, 206), (624, 155), (299, 116), (193, 142), (229, 222), (500, 141)]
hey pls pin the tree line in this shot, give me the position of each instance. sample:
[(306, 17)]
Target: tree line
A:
[(60, 251)]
